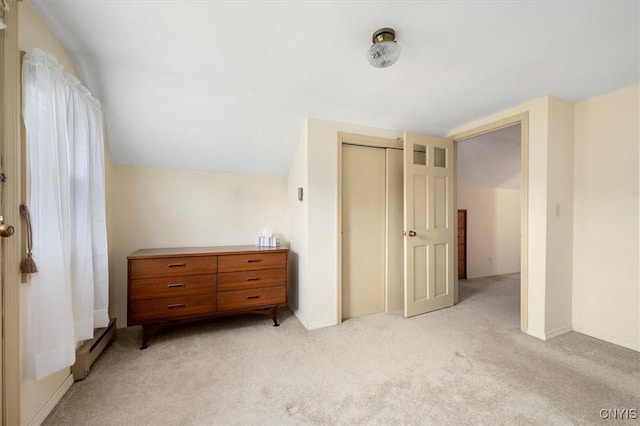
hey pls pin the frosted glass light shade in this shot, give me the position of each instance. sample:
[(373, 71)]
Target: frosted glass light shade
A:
[(384, 51), (383, 54)]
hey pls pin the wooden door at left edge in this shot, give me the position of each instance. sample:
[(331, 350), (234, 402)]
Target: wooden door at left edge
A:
[(10, 196)]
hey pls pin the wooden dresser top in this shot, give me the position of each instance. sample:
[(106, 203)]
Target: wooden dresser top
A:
[(202, 251)]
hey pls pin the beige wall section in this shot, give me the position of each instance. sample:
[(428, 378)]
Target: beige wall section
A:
[(493, 230), (559, 218), (159, 207), (34, 33), (299, 303), (605, 238), (38, 398), (108, 177)]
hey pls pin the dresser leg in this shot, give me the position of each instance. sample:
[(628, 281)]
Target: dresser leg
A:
[(147, 332), (274, 316)]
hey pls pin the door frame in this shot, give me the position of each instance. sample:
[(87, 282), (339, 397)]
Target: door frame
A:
[(362, 140), (11, 247), (523, 120)]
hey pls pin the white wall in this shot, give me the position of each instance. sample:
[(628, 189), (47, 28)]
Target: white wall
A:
[(298, 230), (158, 207), (38, 398), (493, 230), (606, 296)]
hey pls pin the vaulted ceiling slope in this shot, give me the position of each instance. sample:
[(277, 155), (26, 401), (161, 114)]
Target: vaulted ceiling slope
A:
[(491, 160), (226, 86)]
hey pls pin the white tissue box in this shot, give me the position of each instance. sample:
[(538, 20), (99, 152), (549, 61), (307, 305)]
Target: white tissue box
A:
[(268, 242)]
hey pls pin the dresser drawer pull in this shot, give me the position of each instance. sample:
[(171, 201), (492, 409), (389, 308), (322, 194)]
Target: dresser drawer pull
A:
[(253, 297), (176, 306), (254, 260), (176, 265), (253, 279), (179, 285)]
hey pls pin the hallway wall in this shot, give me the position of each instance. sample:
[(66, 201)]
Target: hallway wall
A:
[(493, 230)]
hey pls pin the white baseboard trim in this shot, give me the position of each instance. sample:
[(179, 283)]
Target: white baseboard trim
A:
[(549, 334), (558, 332), (537, 334), (312, 325), (621, 341), (52, 402), (321, 324), (298, 315)]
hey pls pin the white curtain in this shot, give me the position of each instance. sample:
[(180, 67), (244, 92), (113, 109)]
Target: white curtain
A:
[(69, 294)]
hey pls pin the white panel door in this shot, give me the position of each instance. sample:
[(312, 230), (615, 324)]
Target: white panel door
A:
[(429, 224)]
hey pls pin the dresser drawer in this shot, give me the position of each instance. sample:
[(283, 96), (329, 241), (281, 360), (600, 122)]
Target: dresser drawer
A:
[(240, 299), (171, 307), (172, 266), (252, 279), (154, 288), (251, 262)]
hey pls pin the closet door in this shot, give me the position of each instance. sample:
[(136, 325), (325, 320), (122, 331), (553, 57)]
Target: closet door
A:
[(363, 230), (395, 225)]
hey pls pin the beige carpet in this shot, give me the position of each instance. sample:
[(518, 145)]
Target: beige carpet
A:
[(464, 365)]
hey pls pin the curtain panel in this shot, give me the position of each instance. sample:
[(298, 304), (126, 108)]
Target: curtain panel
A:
[(69, 294)]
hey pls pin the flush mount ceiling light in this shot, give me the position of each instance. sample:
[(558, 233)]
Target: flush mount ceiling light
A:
[(384, 51)]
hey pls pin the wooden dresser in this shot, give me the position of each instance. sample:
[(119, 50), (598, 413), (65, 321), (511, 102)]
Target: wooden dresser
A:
[(167, 286), (462, 244)]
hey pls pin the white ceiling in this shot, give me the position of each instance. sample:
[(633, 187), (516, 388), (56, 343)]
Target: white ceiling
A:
[(227, 85), (491, 160)]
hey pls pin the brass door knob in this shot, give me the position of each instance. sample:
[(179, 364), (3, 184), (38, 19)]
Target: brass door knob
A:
[(412, 233), (6, 230)]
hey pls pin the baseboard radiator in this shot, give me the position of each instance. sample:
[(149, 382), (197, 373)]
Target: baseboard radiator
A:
[(90, 350)]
